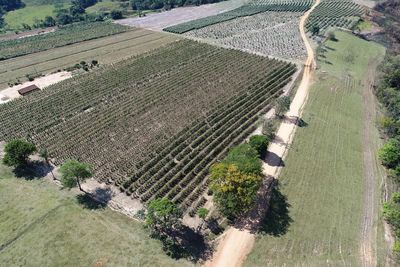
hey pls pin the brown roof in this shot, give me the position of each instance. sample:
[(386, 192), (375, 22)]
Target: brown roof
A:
[(28, 89)]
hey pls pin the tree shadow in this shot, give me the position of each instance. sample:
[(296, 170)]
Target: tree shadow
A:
[(88, 202), (184, 242), (301, 123), (103, 195), (273, 159), (277, 220), (33, 170), (330, 48)]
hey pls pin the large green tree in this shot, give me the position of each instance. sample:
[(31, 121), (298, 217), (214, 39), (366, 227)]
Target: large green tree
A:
[(234, 191), (245, 158), (17, 152), (74, 173), (162, 216), (389, 154)]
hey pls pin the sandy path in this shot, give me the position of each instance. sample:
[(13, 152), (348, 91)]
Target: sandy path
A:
[(237, 243), (41, 82)]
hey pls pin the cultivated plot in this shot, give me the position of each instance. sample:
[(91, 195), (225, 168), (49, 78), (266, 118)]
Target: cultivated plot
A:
[(152, 124), (269, 33)]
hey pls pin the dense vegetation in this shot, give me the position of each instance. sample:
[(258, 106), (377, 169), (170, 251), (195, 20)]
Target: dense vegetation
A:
[(8, 5), (243, 11), (65, 35), (151, 124), (335, 13), (160, 4), (388, 93)]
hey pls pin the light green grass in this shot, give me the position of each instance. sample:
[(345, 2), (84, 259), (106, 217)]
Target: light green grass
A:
[(105, 6), (50, 228), (323, 177), (28, 15)]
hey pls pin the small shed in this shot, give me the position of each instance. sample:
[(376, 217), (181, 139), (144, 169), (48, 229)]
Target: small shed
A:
[(27, 90)]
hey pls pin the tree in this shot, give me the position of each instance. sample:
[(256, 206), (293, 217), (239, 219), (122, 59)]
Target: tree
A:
[(268, 128), (332, 36), (116, 14), (282, 105), (234, 191), (49, 21), (389, 154), (315, 30), (245, 158), (17, 152), (162, 216), (202, 213), (259, 143), (74, 173)]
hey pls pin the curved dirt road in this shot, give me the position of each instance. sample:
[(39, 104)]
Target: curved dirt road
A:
[(236, 243)]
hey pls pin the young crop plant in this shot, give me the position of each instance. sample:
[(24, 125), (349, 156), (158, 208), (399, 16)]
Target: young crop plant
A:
[(155, 123), (268, 33)]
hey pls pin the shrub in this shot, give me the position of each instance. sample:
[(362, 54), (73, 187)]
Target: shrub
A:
[(259, 143)]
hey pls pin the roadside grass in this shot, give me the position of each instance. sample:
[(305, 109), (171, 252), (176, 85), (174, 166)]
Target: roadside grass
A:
[(321, 187), (106, 50), (42, 225)]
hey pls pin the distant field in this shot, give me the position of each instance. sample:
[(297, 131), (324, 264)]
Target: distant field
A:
[(153, 124), (104, 6), (42, 225), (323, 178), (106, 50), (66, 35), (34, 10)]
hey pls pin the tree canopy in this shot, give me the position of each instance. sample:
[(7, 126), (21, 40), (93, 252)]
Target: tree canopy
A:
[(162, 216), (389, 154), (259, 143), (234, 191), (17, 152), (282, 105), (245, 158), (74, 172)]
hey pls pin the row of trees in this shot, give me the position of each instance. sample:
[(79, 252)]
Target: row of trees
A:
[(73, 172), (388, 93), (166, 4)]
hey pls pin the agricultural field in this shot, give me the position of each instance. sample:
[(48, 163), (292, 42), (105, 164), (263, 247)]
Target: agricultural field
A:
[(66, 35), (151, 124), (161, 20), (317, 213), (269, 33), (334, 13), (105, 50), (33, 11), (42, 225), (247, 10)]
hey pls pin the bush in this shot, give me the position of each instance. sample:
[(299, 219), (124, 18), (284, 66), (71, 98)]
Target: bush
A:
[(116, 14), (259, 143), (245, 158), (389, 154)]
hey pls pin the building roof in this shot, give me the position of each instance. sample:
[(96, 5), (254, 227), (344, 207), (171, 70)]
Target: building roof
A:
[(28, 89)]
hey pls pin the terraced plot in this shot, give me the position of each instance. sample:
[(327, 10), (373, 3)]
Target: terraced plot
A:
[(152, 124), (269, 33), (106, 50)]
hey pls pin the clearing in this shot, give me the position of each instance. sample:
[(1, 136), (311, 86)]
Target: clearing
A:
[(316, 214)]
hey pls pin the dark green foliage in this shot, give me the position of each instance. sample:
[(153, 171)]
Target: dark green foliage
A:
[(391, 212), (74, 172), (245, 157), (8, 5), (315, 30), (259, 143), (389, 154), (161, 4), (116, 14), (17, 152), (393, 79)]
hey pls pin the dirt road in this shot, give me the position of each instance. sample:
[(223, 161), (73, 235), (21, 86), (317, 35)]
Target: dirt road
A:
[(237, 243)]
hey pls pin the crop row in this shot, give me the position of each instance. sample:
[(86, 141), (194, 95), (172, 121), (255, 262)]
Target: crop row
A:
[(65, 35), (243, 11), (334, 13), (270, 33)]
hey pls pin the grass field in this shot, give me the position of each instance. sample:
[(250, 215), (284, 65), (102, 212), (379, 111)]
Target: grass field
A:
[(104, 6), (42, 225), (315, 219), (106, 50)]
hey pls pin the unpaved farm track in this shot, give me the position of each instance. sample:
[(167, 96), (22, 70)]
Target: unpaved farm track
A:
[(238, 242)]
